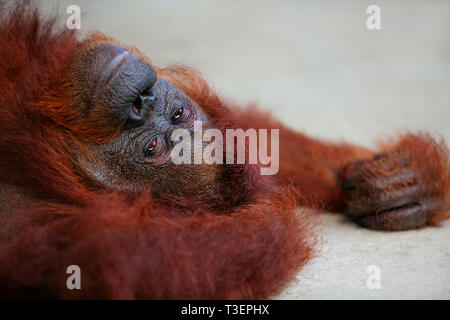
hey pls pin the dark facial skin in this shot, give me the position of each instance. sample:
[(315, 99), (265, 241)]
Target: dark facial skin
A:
[(123, 89), (126, 85), (112, 86)]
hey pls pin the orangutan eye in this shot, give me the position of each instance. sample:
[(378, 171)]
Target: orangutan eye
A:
[(150, 148), (176, 117)]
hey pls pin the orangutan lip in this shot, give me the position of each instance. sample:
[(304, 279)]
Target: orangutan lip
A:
[(110, 70)]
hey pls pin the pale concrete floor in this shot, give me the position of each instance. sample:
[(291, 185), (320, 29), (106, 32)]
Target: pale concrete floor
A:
[(316, 66)]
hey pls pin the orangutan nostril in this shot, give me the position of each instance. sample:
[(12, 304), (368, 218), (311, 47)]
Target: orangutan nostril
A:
[(137, 105)]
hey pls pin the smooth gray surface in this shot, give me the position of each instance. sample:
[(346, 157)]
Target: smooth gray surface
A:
[(317, 67)]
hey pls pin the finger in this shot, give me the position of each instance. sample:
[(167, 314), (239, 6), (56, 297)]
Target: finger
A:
[(383, 169), (400, 219), (363, 202), (402, 177), (408, 217)]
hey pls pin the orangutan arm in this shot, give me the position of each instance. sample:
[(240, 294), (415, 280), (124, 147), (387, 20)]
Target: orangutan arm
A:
[(402, 186), (145, 251)]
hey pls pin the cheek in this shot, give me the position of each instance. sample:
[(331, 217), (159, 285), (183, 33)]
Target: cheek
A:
[(185, 181)]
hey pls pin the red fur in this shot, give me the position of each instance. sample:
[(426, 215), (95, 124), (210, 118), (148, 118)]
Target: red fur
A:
[(51, 218), (144, 250)]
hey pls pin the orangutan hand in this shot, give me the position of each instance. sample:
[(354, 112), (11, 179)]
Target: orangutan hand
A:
[(403, 188)]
